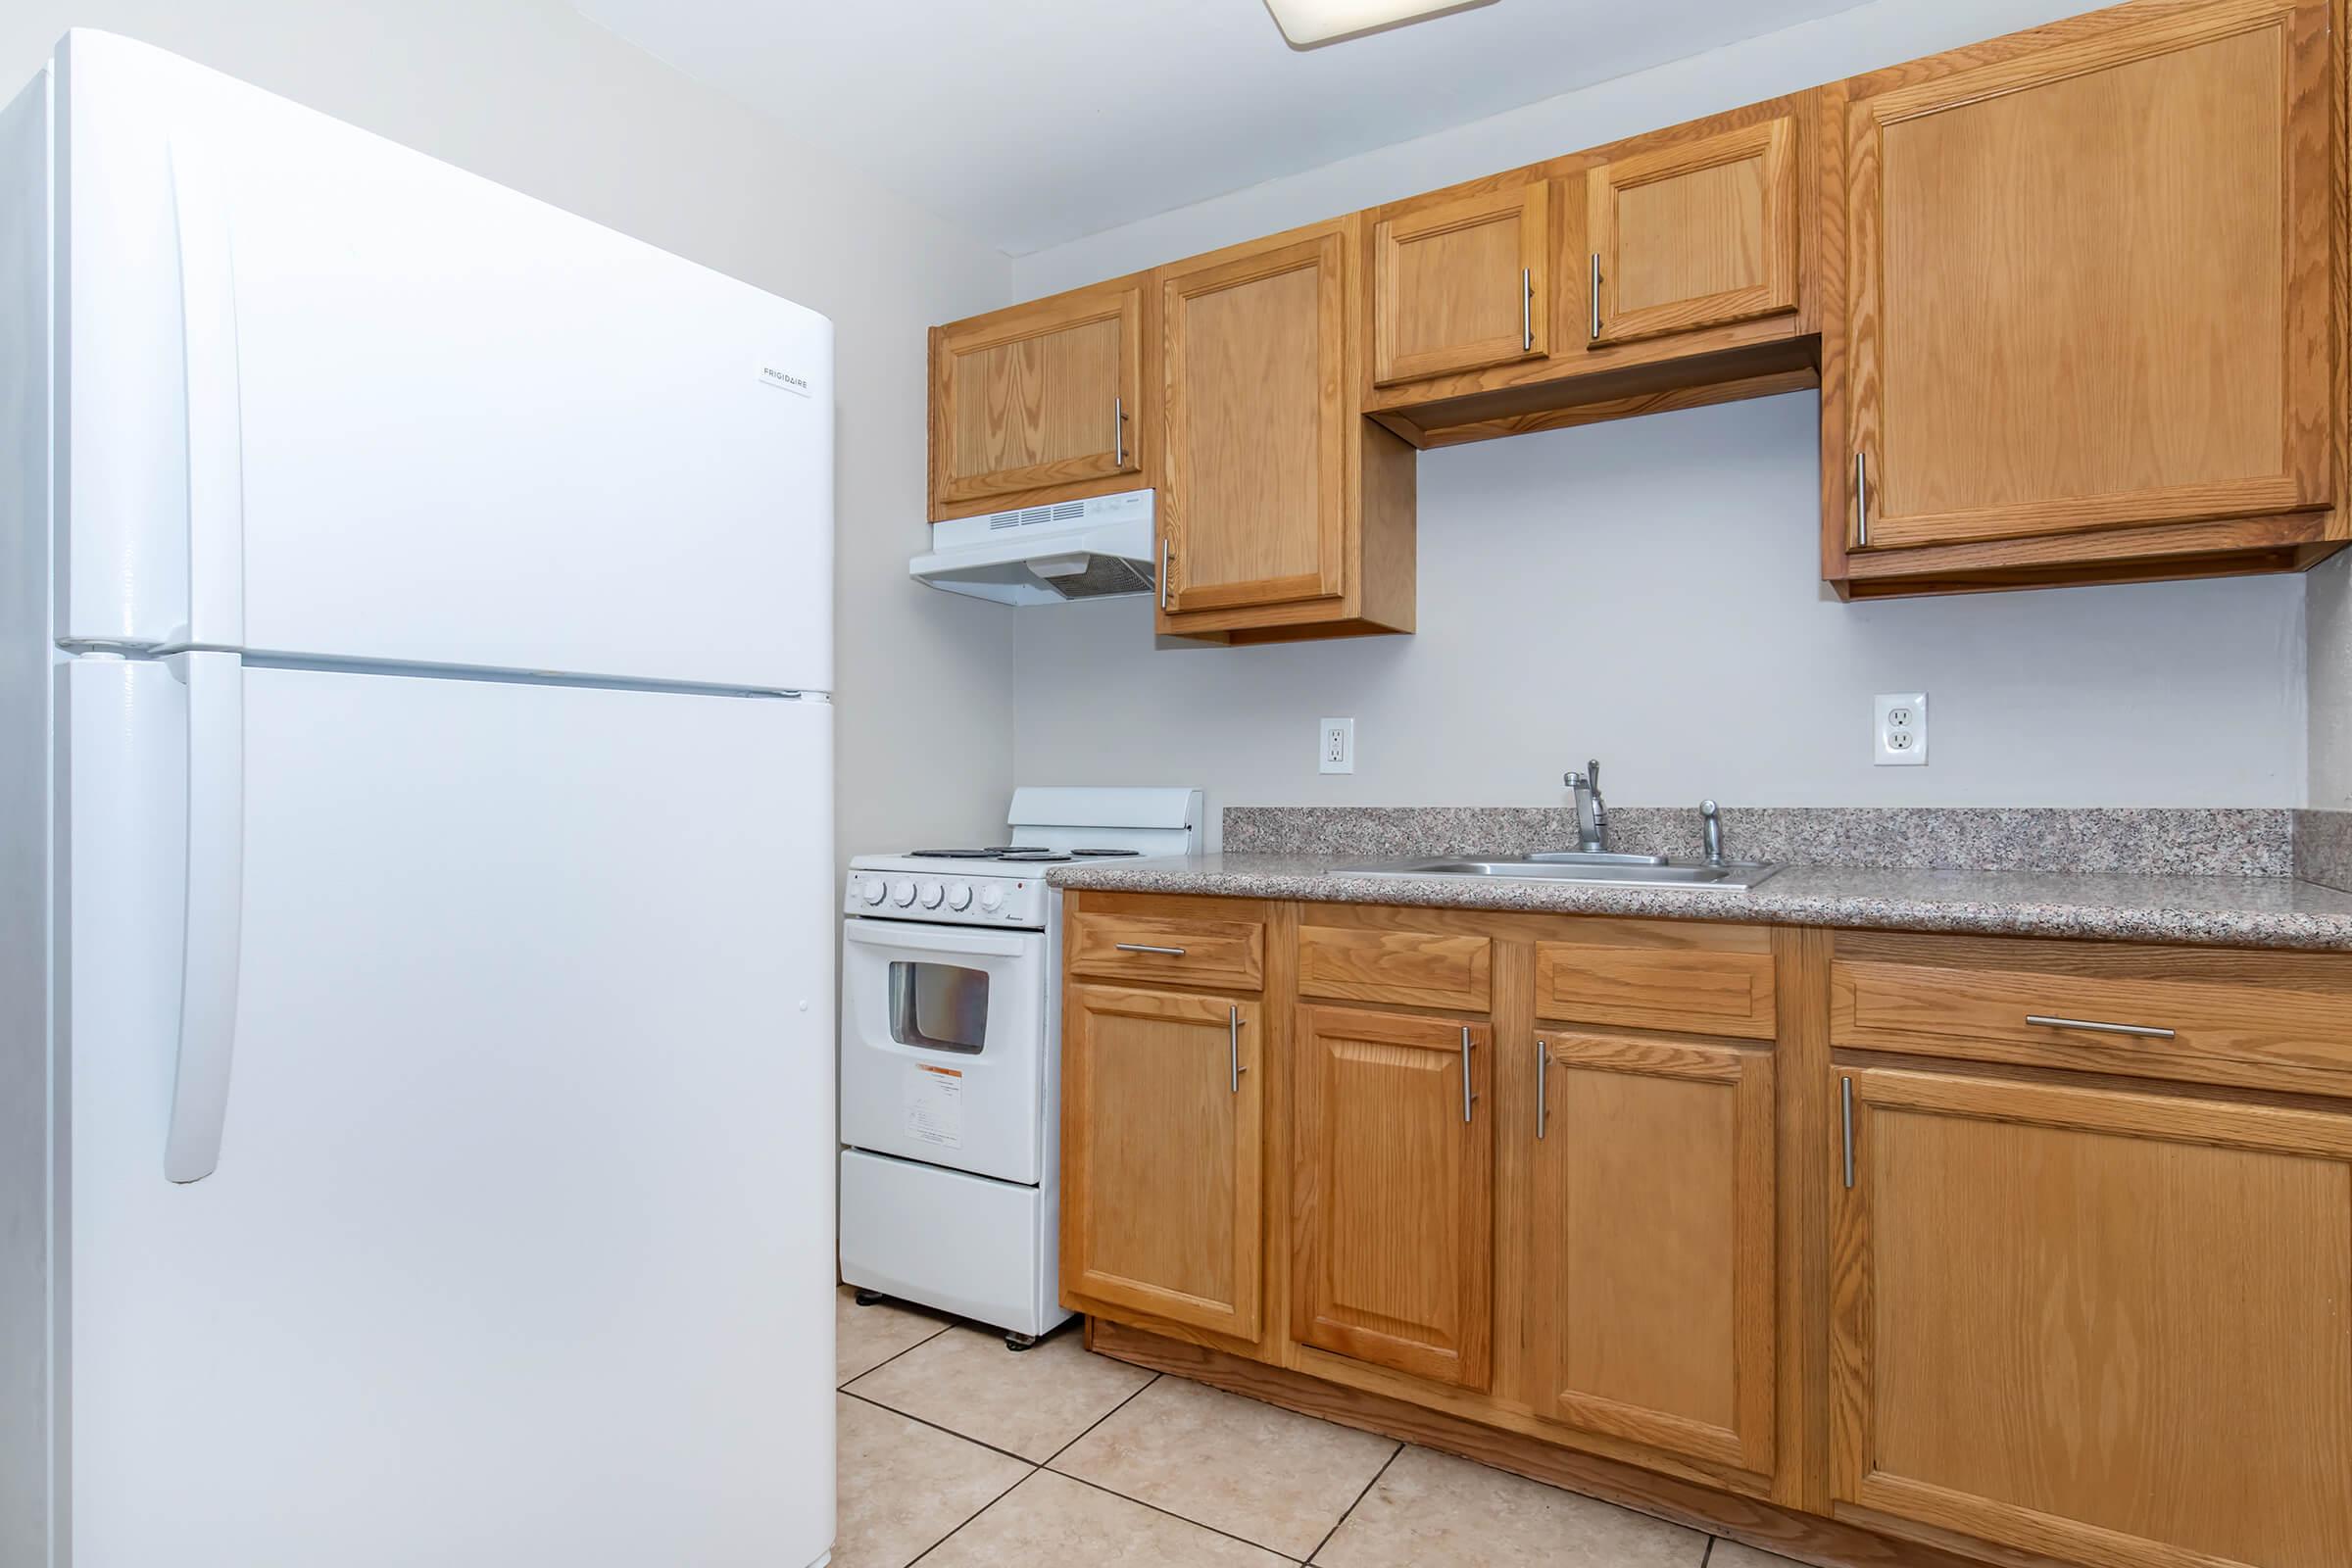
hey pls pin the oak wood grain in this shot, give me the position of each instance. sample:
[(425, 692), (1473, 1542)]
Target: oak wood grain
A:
[(1392, 1186), (1161, 1156), (1675, 975), (1695, 233)]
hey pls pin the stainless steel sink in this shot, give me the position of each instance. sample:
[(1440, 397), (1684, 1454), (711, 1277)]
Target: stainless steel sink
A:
[(1589, 869)]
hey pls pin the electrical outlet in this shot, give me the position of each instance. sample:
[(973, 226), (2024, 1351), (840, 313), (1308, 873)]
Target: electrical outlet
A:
[(1899, 734), (1335, 745)]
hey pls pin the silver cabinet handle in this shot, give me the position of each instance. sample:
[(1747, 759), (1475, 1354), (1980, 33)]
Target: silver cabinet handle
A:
[(1595, 296), (1861, 500), (1146, 947), (2138, 1030), (1526, 309), (1542, 1060), (1118, 433), (1467, 1096), (1845, 1113), (1233, 1044), (1163, 571)]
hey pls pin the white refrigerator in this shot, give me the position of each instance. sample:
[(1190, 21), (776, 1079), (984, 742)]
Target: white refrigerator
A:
[(415, 865)]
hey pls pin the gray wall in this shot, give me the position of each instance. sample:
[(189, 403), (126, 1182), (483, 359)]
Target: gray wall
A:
[(1646, 591), (2330, 586), (529, 93)]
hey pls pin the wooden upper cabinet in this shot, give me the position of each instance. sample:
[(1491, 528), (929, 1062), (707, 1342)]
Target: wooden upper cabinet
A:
[(1038, 403), (1650, 1294), (2089, 278), (1162, 1103), (1461, 285), (1393, 1191), (1693, 235), (2102, 1327), (1283, 513)]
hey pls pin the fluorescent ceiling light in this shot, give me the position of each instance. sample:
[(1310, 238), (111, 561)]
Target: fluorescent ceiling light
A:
[(1308, 22)]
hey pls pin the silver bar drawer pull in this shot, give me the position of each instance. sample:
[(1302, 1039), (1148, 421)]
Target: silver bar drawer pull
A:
[(1233, 1044), (1146, 947), (2138, 1030)]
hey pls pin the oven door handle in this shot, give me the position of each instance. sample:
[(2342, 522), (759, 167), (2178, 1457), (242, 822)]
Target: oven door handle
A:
[(932, 938)]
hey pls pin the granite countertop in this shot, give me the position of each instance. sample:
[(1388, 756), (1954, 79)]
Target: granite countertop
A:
[(2257, 912)]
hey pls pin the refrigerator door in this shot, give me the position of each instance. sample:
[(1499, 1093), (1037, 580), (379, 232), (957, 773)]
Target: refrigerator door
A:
[(520, 1244), (332, 399)]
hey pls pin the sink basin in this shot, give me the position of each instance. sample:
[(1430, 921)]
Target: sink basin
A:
[(1590, 870)]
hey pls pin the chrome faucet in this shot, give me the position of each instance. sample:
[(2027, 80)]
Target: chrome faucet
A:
[(1710, 831), (1592, 811)]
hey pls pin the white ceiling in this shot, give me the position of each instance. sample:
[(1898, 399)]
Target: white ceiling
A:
[(1034, 121)]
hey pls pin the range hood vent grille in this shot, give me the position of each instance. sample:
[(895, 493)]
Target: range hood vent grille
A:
[(1105, 547)]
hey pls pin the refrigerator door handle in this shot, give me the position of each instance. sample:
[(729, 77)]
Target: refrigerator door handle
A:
[(207, 298), (215, 912)]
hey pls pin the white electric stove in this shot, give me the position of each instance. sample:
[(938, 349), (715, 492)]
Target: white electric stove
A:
[(951, 1054)]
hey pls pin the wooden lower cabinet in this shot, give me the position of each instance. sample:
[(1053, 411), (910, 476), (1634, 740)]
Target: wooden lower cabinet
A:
[(1164, 1094), (1651, 1235), (1495, 1182), (2114, 1327), (1392, 1190)]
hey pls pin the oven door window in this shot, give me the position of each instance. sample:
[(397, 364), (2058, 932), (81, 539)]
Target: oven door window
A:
[(939, 1007)]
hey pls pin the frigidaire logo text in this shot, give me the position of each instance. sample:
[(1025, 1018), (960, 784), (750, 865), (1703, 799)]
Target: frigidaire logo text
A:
[(784, 379)]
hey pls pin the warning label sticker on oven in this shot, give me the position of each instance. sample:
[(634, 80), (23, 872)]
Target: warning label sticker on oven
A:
[(934, 1102)]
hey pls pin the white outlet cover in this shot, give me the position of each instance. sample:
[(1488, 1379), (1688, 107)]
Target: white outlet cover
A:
[(1898, 734), (1335, 745)]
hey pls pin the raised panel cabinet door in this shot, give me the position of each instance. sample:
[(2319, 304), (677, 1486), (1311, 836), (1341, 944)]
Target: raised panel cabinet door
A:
[(1692, 235), (1462, 285), (1651, 1237), (2105, 1327), (1042, 396), (1255, 510), (1161, 1110), (2090, 282), (1393, 1191)]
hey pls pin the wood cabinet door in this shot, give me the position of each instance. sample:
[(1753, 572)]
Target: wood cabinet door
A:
[(1393, 1191), (1037, 397), (1255, 511), (1161, 1108), (1651, 1239), (1695, 235), (1462, 285), (2089, 282), (2110, 1328)]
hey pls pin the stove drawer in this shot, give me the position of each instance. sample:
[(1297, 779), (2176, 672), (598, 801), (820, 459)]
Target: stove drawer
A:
[(1188, 942)]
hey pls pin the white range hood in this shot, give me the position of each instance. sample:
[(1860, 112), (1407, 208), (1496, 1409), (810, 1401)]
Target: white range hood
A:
[(1098, 549)]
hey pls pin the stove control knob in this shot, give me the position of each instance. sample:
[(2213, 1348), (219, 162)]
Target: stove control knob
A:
[(960, 895), (932, 892), (901, 893), (872, 888), (991, 897)]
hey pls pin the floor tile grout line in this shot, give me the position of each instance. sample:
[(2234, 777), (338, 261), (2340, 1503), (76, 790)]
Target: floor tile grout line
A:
[(1112, 1492), (843, 1386), (976, 1513), (1708, 1555), (977, 1442), (1360, 1503), (1099, 1420)]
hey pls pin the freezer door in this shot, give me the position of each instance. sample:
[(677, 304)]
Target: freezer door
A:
[(333, 399), (519, 1243)]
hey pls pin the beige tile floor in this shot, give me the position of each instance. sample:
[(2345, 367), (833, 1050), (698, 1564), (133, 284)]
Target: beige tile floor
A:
[(957, 1453)]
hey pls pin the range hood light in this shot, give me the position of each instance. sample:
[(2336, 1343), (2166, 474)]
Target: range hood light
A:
[(1308, 24)]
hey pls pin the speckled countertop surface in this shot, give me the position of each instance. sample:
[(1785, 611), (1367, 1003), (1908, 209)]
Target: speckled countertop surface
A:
[(2261, 912)]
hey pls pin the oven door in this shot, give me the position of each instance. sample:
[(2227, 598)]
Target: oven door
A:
[(942, 1040)]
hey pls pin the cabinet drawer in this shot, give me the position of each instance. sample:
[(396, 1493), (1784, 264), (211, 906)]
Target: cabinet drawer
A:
[(2274, 1020), (1395, 962), (1696, 979), (1180, 949)]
